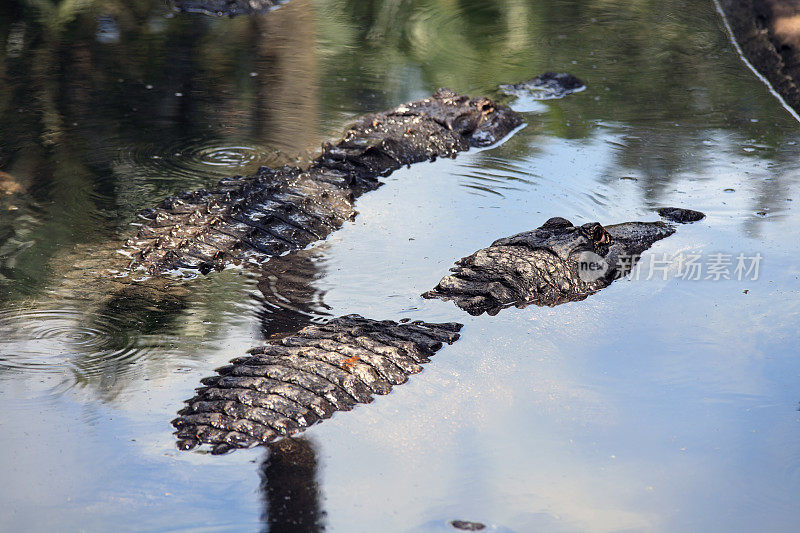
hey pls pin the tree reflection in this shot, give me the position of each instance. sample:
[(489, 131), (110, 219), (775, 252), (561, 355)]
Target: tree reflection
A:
[(88, 120), (290, 297), (91, 104), (94, 92), (102, 100)]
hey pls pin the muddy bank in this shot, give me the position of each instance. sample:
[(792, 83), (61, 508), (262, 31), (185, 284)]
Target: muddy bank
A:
[(768, 32)]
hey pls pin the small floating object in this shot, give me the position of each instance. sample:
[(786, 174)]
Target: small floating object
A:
[(463, 525), (729, 190), (682, 216), (546, 86)]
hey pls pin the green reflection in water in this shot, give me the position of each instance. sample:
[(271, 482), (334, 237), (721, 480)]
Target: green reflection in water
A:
[(109, 106), (104, 103)]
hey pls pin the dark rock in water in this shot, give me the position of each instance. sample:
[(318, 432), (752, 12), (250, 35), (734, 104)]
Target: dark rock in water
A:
[(292, 383), (553, 264), (463, 525), (546, 86), (230, 8), (681, 216)]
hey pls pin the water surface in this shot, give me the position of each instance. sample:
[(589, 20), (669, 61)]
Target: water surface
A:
[(661, 404)]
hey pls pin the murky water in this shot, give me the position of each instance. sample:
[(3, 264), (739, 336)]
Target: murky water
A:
[(663, 404)]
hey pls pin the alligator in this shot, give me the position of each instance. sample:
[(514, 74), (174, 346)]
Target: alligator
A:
[(285, 386), (247, 220), (553, 264), (250, 220), (254, 222), (230, 8)]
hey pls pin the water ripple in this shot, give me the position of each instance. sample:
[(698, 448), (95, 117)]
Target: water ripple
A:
[(493, 176), (289, 297), (64, 341), (200, 161)]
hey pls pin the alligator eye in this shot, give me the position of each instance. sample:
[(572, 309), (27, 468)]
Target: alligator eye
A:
[(596, 233), (602, 236), (485, 106)]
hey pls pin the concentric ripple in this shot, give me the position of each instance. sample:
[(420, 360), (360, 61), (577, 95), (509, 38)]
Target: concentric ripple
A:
[(64, 341), (193, 161)]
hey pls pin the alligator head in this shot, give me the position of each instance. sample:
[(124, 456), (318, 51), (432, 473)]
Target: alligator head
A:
[(527, 96), (553, 264)]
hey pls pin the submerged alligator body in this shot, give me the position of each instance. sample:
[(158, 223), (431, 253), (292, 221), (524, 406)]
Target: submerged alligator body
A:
[(250, 219), (230, 8), (553, 264), (291, 383)]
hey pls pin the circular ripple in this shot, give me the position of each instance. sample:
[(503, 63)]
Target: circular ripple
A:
[(193, 161), (228, 156), (64, 341)]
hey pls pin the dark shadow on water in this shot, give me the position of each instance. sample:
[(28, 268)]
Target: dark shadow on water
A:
[(290, 299), (289, 488)]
